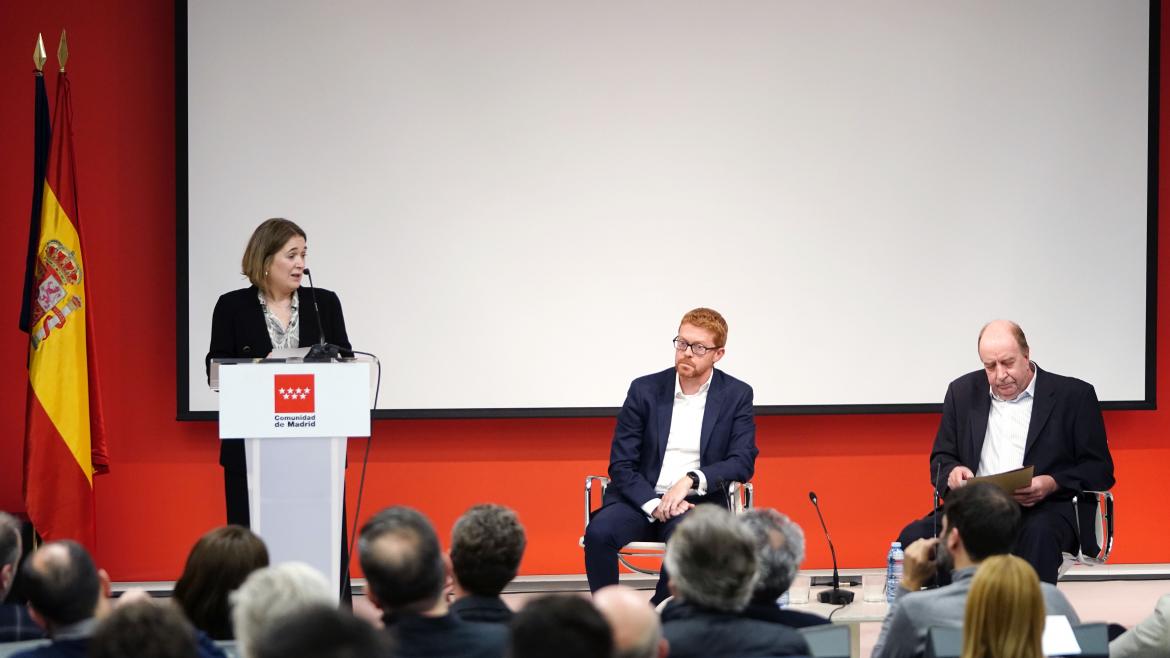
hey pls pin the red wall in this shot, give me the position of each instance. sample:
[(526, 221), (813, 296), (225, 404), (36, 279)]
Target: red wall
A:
[(165, 486)]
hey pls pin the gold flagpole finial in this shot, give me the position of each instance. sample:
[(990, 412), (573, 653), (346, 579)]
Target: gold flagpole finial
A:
[(39, 56), (62, 52)]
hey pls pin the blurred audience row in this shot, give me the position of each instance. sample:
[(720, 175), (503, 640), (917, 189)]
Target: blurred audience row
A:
[(727, 573)]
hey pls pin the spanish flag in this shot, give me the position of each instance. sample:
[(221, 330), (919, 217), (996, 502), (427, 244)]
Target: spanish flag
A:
[(64, 440)]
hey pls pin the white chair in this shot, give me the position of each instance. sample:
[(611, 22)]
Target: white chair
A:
[(740, 497), (1093, 512)]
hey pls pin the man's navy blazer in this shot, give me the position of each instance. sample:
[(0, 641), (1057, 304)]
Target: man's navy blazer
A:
[(1066, 434), (727, 443)]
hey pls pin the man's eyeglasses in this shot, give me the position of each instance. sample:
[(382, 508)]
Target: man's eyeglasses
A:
[(698, 349)]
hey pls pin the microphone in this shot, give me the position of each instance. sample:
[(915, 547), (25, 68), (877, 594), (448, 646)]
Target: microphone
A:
[(836, 596), (322, 351), (934, 511)]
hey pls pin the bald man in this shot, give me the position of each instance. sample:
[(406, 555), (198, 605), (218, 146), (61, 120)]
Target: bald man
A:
[(637, 631), (1011, 414)]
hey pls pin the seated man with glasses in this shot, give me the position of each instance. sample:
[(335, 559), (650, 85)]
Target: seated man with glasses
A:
[(682, 436)]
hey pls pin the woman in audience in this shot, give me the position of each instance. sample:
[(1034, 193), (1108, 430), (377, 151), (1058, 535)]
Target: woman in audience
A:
[(218, 563), (1005, 611)]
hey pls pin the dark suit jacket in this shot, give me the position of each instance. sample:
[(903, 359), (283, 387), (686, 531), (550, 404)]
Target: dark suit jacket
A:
[(483, 609), (769, 611), (238, 331), (727, 444), (703, 633), (1066, 435), (415, 635)]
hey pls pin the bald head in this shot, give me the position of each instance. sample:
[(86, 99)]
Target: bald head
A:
[(62, 584), (1004, 351), (637, 632)]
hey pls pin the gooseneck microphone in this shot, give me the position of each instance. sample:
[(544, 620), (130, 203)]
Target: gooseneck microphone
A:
[(322, 351), (836, 596)]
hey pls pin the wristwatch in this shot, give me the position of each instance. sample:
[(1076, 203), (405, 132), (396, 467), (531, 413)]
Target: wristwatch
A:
[(694, 479)]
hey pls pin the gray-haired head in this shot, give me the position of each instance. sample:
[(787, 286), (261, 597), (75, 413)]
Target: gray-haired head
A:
[(272, 593), (780, 544), (712, 560), (10, 548)]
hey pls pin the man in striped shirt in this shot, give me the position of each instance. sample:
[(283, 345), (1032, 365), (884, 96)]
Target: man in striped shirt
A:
[(1012, 414)]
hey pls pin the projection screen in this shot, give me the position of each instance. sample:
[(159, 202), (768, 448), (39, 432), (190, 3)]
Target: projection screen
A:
[(517, 200)]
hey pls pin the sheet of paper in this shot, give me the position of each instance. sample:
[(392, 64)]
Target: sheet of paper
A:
[(289, 353), (1058, 638), (1009, 481)]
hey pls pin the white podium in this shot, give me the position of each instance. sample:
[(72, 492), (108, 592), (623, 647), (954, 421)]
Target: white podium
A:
[(295, 418)]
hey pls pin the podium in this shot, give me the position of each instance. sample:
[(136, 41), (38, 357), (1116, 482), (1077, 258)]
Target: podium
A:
[(295, 418)]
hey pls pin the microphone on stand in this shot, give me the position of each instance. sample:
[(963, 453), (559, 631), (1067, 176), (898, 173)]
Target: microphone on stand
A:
[(836, 596), (322, 351), (934, 512)]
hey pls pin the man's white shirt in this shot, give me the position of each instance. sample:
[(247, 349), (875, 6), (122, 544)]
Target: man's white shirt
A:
[(1007, 430), (682, 444)]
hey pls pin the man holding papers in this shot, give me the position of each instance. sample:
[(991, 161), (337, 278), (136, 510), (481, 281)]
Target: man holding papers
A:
[(1012, 414)]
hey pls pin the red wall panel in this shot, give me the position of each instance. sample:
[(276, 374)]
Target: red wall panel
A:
[(164, 490)]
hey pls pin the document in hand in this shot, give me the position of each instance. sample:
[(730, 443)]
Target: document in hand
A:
[(1009, 481)]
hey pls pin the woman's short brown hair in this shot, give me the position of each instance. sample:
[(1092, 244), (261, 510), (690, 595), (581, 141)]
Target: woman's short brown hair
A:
[(266, 240), (709, 319), (218, 563)]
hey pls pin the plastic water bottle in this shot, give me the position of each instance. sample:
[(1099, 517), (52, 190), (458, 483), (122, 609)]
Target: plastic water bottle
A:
[(894, 561)]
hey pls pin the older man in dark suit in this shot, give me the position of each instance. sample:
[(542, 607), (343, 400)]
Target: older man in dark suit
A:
[(682, 435), (1013, 414)]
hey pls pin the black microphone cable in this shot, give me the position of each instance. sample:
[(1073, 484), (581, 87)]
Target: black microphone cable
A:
[(365, 461)]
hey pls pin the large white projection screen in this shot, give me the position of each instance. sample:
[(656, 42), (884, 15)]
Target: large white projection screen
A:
[(517, 200)]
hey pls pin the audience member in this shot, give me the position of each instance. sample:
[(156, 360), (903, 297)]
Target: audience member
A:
[(406, 572), (487, 543), (322, 632), (1149, 639), (15, 622), (67, 596), (217, 565), (271, 594), (712, 563), (979, 521), (1005, 611), (561, 625), (144, 629), (636, 629), (780, 547)]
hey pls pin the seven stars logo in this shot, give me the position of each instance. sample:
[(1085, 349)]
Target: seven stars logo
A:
[(294, 394)]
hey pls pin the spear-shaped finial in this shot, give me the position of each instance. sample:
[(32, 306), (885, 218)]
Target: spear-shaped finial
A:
[(39, 54), (62, 52)]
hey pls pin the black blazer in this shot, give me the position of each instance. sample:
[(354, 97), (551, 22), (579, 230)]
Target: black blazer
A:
[(238, 331), (1066, 435)]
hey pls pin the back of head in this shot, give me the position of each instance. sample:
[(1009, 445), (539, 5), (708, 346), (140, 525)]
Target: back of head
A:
[(272, 593), (217, 565), (561, 625), (62, 583), (987, 518), (10, 549), (322, 632), (780, 545), (487, 543), (144, 629), (712, 560), (1005, 611), (402, 560), (636, 629)]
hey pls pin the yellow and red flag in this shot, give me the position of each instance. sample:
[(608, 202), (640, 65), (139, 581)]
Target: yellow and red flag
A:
[(64, 440)]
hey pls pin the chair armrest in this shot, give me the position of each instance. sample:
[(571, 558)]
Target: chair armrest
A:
[(603, 484), (740, 497)]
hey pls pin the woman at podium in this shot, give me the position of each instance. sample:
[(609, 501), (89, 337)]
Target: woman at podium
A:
[(269, 314)]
